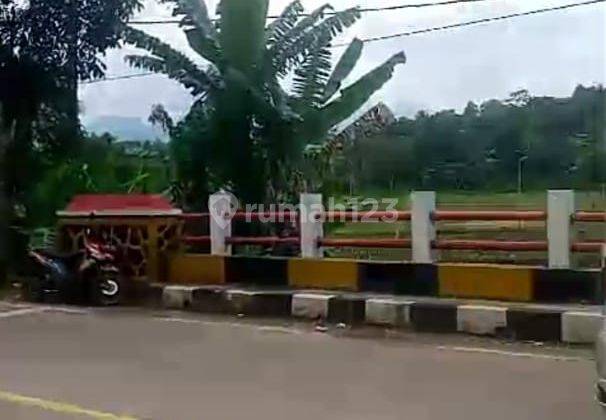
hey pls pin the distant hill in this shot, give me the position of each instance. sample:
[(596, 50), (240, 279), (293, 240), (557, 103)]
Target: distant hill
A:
[(124, 128)]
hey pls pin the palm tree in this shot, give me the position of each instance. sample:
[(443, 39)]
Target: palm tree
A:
[(254, 129)]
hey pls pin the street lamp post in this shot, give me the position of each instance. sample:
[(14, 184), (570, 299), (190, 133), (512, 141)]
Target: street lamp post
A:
[(522, 157)]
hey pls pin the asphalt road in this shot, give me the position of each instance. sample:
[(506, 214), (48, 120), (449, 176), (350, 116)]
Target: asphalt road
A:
[(114, 364)]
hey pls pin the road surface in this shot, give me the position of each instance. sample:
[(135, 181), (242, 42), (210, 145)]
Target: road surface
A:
[(135, 364)]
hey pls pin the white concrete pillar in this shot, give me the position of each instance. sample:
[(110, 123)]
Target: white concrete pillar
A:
[(219, 205), (423, 204), (312, 225), (560, 209)]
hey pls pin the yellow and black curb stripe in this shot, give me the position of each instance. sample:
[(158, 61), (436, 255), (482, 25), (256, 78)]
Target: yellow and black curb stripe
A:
[(473, 281), (553, 323)]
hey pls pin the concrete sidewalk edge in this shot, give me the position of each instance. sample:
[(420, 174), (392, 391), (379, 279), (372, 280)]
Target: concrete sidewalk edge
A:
[(571, 324)]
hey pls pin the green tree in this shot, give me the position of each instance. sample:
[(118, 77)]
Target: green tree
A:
[(66, 38), (558, 141), (23, 89), (46, 46), (254, 130), (102, 166)]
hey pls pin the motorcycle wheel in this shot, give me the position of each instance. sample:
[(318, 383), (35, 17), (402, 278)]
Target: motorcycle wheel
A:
[(106, 291)]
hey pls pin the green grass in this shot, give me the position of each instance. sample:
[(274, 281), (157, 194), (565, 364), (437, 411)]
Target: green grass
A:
[(532, 200)]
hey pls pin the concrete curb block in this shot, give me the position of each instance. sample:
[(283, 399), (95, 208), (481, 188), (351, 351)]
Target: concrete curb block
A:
[(347, 310), (481, 320), (534, 324), (177, 297), (254, 303), (515, 321), (311, 305), (434, 317), (388, 312), (210, 299), (581, 327)]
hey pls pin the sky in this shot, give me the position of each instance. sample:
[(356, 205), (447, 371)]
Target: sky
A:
[(547, 54)]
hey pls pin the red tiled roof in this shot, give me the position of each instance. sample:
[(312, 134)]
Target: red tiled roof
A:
[(118, 202)]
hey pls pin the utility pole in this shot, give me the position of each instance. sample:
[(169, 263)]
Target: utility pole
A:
[(522, 157)]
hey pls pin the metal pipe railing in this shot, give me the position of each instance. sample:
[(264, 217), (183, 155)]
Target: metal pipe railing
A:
[(438, 215), (589, 216), (450, 215), (277, 216), (458, 245), (261, 241), (195, 216), (424, 218), (366, 243), (197, 240), (348, 216), (489, 245)]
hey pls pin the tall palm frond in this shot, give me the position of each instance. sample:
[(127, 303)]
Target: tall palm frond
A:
[(308, 22), (344, 67), (166, 60), (309, 35), (280, 28), (311, 77), (198, 27), (352, 98), (194, 12)]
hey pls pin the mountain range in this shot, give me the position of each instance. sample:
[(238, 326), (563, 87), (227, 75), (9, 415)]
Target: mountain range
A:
[(124, 128)]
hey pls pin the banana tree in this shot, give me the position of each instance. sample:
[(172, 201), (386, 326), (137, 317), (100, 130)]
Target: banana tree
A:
[(255, 122)]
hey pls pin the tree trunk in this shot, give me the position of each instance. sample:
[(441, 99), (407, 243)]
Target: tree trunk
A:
[(5, 216), (67, 102)]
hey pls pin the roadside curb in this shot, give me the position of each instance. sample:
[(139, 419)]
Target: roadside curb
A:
[(526, 322)]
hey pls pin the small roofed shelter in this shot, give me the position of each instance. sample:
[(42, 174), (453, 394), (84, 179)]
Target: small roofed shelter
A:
[(144, 227)]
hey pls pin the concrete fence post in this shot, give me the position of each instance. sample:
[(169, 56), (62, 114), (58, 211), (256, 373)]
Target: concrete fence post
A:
[(423, 204), (219, 205), (603, 266), (560, 209), (312, 225)]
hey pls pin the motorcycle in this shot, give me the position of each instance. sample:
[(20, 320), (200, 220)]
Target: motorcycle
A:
[(91, 275)]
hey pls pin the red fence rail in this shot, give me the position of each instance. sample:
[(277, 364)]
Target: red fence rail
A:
[(195, 216), (489, 245), (448, 215), (458, 245), (277, 216), (197, 240), (405, 243), (366, 243), (590, 216), (348, 216), (439, 215), (261, 241)]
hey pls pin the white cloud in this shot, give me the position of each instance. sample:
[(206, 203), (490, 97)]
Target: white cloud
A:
[(547, 54)]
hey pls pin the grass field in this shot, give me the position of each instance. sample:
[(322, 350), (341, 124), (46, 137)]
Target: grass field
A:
[(534, 200), (512, 231)]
